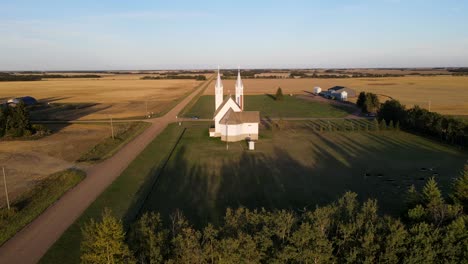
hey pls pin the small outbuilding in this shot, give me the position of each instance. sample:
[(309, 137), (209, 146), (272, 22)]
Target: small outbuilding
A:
[(317, 90), (337, 91), (27, 100), (343, 96)]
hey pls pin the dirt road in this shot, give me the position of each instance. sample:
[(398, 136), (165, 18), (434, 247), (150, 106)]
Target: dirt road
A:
[(33, 241)]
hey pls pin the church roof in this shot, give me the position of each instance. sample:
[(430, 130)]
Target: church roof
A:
[(219, 83), (239, 80), (222, 105), (234, 118)]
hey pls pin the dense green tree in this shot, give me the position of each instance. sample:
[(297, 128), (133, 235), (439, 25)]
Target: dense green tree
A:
[(393, 238), (148, 239), (346, 231), (392, 110), (371, 104), (279, 94), (422, 242), (361, 100), (104, 241), (17, 123)]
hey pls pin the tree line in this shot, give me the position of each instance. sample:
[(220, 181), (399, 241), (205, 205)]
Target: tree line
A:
[(176, 76), (416, 119), (443, 128), (432, 230), (8, 77)]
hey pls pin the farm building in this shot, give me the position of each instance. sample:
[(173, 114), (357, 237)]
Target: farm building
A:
[(317, 90), (27, 100), (340, 93), (232, 123)]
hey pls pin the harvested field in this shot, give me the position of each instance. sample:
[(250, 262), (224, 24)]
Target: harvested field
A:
[(448, 94), (121, 96), (26, 162)]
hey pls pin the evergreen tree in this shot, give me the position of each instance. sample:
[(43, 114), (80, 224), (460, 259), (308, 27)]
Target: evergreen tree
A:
[(104, 242), (397, 126), (382, 125), (279, 94), (412, 197), (376, 125), (361, 100), (460, 190), (431, 194), (390, 125)]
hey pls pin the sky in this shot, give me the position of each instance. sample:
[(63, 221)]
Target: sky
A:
[(152, 34)]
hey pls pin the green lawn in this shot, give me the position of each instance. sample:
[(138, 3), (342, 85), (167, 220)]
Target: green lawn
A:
[(297, 168), (124, 196), (291, 106), (32, 203)]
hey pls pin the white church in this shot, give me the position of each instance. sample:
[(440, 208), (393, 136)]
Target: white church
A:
[(232, 123)]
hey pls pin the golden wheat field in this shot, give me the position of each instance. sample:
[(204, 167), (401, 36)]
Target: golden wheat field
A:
[(122, 95), (447, 94)]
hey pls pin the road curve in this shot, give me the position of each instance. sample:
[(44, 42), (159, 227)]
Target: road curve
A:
[(33, 241)]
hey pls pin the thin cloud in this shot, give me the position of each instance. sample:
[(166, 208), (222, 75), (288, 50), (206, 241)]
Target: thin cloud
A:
[(152, 15)]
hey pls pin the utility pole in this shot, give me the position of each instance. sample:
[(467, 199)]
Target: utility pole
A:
[(429, 105), (146, 104), (112, 126), (6, 190)]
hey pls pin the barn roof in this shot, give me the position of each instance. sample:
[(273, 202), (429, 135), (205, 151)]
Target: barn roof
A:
[(234, 118)]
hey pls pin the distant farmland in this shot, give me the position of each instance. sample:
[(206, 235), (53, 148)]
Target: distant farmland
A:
[(448, 94), (120, 96)]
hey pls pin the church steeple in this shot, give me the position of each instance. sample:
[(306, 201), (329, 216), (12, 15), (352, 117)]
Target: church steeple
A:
[(218, 91), (239, 90)]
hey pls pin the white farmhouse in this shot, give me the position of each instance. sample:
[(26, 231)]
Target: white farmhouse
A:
[(232, 123)]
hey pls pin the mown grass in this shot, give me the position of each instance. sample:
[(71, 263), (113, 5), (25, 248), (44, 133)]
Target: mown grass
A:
[(295, 167), (124, 196), (290, 106), (31, 204), (124, 133), (298, 167), (194, 101)]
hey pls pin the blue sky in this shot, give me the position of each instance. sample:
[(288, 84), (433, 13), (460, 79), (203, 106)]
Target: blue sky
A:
[(105, 34)]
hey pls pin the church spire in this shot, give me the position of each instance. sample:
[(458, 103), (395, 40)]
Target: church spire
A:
[(239, 90), (218, 91)]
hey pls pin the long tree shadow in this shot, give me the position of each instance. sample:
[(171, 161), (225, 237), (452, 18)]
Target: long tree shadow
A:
[(203, 187)]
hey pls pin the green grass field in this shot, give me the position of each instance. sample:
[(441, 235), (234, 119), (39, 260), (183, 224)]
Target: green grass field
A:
[(298, 168), (31, 204), (124, 196), (291, 106), (124, 133)]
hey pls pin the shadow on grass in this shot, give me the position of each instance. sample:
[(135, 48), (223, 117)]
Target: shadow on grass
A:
[(203, 187)]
